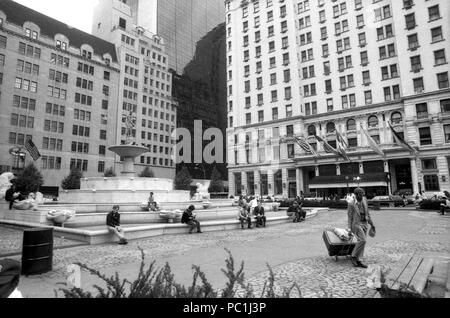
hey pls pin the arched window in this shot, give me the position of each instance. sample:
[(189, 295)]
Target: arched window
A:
[(351, 125), (373, 121), (396, 118), (331, 128), (311, 130)]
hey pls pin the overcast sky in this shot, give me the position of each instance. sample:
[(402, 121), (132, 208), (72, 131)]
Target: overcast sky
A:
[(76, 13)]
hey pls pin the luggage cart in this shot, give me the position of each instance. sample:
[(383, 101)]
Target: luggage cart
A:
[(337, 247)]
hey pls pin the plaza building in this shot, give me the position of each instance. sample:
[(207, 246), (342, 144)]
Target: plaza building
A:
[(58, 87), (145, 84), (301, 68)]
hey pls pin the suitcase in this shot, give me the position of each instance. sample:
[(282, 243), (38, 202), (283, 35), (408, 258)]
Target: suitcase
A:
[(336, 247)]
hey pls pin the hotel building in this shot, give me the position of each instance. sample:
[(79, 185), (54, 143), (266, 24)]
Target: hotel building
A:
[(300, 68)]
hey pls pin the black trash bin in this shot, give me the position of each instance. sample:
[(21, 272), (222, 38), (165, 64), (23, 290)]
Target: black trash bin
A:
[(37, 251)]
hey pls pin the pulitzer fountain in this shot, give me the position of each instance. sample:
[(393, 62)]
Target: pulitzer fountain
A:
[(126, 188)]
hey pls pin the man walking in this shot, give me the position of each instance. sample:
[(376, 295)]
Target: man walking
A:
[(189, 219), (358, 221), (113, 224)]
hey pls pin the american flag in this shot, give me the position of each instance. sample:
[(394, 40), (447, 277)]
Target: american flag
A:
[(306, 146), (32, 149), (328, 148), (340, 140)]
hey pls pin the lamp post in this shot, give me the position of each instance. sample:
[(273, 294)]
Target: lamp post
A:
[(348, 188), (358, 179)]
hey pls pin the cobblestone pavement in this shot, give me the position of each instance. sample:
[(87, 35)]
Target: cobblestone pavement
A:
[(11, 241), (295, 252)]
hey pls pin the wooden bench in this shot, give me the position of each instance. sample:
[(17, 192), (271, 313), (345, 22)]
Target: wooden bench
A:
[(409, 278)]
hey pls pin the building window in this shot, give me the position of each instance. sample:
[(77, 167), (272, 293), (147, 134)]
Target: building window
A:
[(433, 13), (436, 34), (396, 118), (418, 85), (445, 106), (410, 21), (425, 136), (373, 122), (431, 183), (422, 110), (443, 80), (447, 133), (439, 57)]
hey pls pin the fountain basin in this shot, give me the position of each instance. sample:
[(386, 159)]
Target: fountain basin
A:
[(128, 150)]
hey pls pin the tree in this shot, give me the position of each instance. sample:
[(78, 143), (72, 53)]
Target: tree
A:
[(29, 180), (147, 173), (72, 181), (216, 184), (183, 180), (110, 173)]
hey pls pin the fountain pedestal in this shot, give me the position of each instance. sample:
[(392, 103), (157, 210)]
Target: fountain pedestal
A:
[(128, 153)]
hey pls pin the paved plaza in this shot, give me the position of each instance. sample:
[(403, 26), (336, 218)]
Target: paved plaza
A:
[(296, 253)]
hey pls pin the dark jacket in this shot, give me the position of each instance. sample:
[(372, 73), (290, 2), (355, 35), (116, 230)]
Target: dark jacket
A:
[(259, 211), (113, 219), (295, 209), (9, 277), (187, 216), (9, 195)]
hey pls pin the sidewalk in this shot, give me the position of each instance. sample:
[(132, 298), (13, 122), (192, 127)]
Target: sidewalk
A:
[(296, 252)]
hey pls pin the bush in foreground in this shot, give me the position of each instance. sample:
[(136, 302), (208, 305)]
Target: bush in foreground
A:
[(160, 283)]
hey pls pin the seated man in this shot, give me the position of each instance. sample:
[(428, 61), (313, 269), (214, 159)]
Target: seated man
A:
[(260, 215), (12, 195), (445, 205), (189, 219), (244, 216), (113, 224)]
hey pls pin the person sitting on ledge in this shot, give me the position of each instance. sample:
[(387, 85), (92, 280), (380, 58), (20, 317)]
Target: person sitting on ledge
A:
[(12, 195), (445, 204), (189, 219), (113, 224), (152, 205), (260, 215), (299, 214), (244, 216)]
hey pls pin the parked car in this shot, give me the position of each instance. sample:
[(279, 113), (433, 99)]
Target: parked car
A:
[(432, 196), (386, 200)]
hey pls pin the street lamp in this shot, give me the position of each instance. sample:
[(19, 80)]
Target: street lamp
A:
[(358, 179), (348, 188)]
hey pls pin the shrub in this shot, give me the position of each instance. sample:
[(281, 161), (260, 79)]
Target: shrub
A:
[(147, 173), (72, 181), (154, 283), (29, 180), (183, 180), (216, 185), (110, 173), (342, 204), (430, 205)]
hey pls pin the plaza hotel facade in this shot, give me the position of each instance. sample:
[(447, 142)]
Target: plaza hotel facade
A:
[(300, 68), (68, 91)]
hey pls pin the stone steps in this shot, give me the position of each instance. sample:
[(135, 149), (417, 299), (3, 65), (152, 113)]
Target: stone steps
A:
[(100, 235)]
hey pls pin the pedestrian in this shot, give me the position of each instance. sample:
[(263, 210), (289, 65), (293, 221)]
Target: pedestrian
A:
[(190, 219), (9, 278), (260, 216), (359, 220), (445, 204), (113, 224), (12, 195), (244, 216)]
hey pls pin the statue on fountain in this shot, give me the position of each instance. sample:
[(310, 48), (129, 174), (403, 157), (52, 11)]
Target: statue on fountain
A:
[(130, 122), (202, 193)]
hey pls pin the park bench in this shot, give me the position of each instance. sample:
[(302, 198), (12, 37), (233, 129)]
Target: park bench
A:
[(409, 278)]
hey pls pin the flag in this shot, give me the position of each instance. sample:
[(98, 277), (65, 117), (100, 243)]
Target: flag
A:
[(32, 149), (401, 142), (328, 148), (372, 143), (340, 140), (306, 146), (342, 146)]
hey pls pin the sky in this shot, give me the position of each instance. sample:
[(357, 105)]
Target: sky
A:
[(76, 13)]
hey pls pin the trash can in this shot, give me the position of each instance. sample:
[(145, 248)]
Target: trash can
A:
[(37, 251)]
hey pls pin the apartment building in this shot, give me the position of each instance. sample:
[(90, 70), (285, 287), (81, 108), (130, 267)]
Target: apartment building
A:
[(145, 88), (58, 87), (301, 68)]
